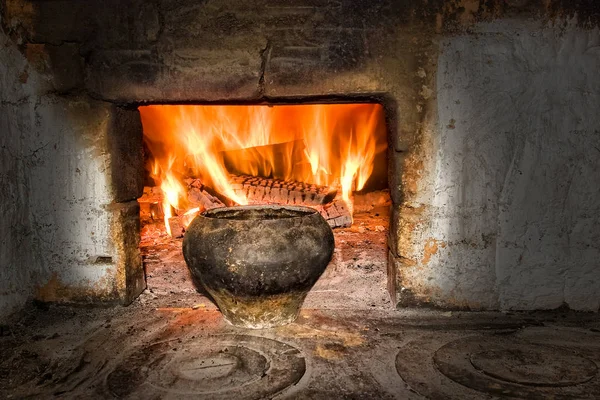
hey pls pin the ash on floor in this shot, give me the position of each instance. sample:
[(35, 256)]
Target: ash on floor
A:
[(163, 348)]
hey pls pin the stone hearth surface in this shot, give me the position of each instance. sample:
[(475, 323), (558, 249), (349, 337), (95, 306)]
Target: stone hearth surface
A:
[(173, 347)]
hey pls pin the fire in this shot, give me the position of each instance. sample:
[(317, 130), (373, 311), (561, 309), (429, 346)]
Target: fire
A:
[(324, 144), (171, 187)]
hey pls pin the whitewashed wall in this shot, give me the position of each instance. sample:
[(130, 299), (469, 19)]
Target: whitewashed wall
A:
[(59, 224), (16, 110), (512, 188)]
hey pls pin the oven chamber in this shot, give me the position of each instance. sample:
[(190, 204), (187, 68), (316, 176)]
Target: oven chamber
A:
[(491, 109)]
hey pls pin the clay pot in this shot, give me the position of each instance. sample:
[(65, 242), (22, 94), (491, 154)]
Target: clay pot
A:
[(258, 262)]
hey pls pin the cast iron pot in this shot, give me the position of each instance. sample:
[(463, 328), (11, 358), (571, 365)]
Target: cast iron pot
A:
[(258, 262)]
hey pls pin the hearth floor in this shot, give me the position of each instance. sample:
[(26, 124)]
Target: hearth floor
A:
[(169, 347)]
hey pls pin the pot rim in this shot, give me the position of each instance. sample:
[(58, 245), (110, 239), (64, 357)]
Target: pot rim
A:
[(304, 211)]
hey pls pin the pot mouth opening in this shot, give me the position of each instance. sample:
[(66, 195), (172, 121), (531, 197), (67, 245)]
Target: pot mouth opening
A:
[(259, 212)]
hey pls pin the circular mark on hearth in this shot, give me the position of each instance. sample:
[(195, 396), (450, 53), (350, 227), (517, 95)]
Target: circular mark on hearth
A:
[(534, 365), (219, 366), (503, 366), (445, 365)]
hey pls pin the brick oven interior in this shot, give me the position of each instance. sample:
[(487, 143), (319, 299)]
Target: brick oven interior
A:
[(475, 248)]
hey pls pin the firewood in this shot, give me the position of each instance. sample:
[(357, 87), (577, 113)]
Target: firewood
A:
[(176, 226), (336, 214), (200, 197), (263, 190), (179, 223), (267, 160), (210, 195)]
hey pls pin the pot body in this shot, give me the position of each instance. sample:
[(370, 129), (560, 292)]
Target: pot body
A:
[(258, 262)]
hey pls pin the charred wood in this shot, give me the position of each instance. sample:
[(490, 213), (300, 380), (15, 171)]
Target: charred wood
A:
[(201, 197), (176, 227), (258, 191), (263, 190), (336, 214)]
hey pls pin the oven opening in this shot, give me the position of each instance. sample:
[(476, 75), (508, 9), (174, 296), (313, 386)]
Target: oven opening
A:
[(331, 157)]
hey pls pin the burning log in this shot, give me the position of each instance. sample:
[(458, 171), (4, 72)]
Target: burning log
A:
[(200, 197), (269, 191), (205, 195), (336, 214), (179, 223), (176, 228), (276, 191), (267, 160), (256, 190)]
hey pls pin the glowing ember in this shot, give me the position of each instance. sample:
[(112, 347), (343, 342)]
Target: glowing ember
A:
[(323, 144)]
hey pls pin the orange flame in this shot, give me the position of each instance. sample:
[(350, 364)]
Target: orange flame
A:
[(324, 144), (171, 187)]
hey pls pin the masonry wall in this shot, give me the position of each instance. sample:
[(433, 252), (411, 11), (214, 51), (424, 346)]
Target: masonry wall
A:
[(492, 113), (84, 210), (16, 257), (70, 171), (507, 210)]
